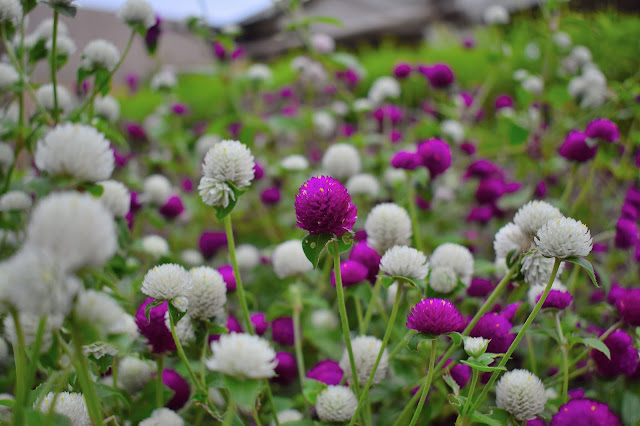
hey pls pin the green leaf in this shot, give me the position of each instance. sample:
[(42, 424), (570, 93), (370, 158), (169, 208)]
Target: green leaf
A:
[(387, 281), (103, 81), (242, 392), (147, 309), (313, 245), (7, 402), (175, 313), (28, 5), (452, 383), (92, 188), (630, 408), (496, 417), (36, 417), (598, 345), (216, 329), (326, 20), (517, 134), (416, 339), (457, 338), (222, 212), (311, 389), (581, 261), (478, 365), (277, 310), (83, 73)]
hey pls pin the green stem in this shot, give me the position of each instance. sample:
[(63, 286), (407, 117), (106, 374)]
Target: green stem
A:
[(532, 357), (467, 404), (228, 418), (574, 373), (374, 297), (427, 384), (54, 42), (228, 228), (356, 303), (297, 336), (183, 357), (569, 187), (21, 371), (414, 216), (273, 405), (603, 336), (159, 382), (585, 188), (565, 359), (385, 340), (94, 408)]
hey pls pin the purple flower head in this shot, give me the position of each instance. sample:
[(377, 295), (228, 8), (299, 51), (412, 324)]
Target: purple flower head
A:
[(180, 109), (557, 299), (360, 235), (482, 169), (480, 214), (460, 373), (439, 75), (219, 51), (237, 53), (626, 234), (258, 171), (211, 242), (576, 393), (179, 386), (435, 316), (323, 206), (136, 132), (467, 98), (490, 190), (600, 248), (286, 369), (468, 148), (388, 113), (402, 70), (503, 101), (633, 197), (435, 155), (270, 196), (172, 208), (349, 76), (536, 422), (286, 92), (234, 129), (406, 160), (624, 357), (155, 330), (422, 203), (575, 147), (629, 211), (469, 43), (152, 38), (616, 293), (510, 311), (260, 323), (395, 136), (495, 327), (134, 202), (233, 325), (579, 412), (327, 371), (187, 185), (347, 129), (352, 272), (601, 128), (282, 331), (541, 190), (368, 257), (227, 275), (479, 287), (133, 81), (629, 307), (119, 158)]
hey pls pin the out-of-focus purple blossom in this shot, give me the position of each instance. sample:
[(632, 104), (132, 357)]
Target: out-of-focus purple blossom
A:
[(601, 128), (626, 234), (258, 171), (152, 38), (327, 371), (479, 287), (234, 129), (576, 148), (172, 208), (229, 278), (187, 185), (480, 214), (282, 331), (468, 148), (460, 373), (237, 53), (352, 272), (179, 386), (629, 307), (180, 109), (469, 43), (503, 101), (219, 51), (483, 169), (616, 293), (347, 129), (368, 257), (600, 248), (510, 311), (422, 203), (388, 113), (395, 136), (260, 324), (133, 81), (440, 75), (435, 155), (402, 70), (233, 325), (286, 369), (136, 133), (360, 235), (541, 190), (629, 211), (624, 357), (155, 329), (576, 393), (119, 158), (489, 190), (406, 160), (497, 328), (270, 196), (349, 76), (211, 242)]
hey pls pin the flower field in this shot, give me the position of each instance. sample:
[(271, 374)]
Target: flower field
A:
[(433, 234)]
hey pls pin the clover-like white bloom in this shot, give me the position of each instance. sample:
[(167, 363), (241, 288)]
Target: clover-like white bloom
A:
[(205, 143), (10, 11), (582, 55), (456, 257), (169, 282), (537, 289), (324, 318), (393, 176), (453, 129), (533, 215), (192, 257), (44, 95), (259, 72), (100, 53), (475, 346), (116, 197), (564, 237), (101, 311), (341, 161), (137, 12), (562, 40), (288, 259), (388, 225), (287, 416), (242, 355), (75, 150), (69, 404), (107, 107), (536, 268), (247, 256), (44, 30), (15, 201), (533, 84), (208, 293), (294, 162), (509, 238), (8, 76), (163, 417), (363, 184), (323, 43), (134, 374), (324, 123), (365, 352), (404, 261), (164, 79), (590, 88), (496, 14), (443, 279), (30, 324), (521, 393), (65, 45), (155, 245), (156, 189), (336, 404), (76, 228), (383, 88)]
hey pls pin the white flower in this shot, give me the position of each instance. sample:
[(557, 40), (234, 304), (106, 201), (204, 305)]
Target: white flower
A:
[(456, 257), (115, 197), (100, 53), (443, 279), (101, 311), (340, 108), (163, 417), (4, 353), (475, 346), (590, 88), (164, 79), (341, 161), (383, 88), (453, 130), (534, 214), (324, 123), (44, 95), (496, 14), (562, 39), (192, 257), (157, 189), (533, 84), (75, 150), (69, 404), (537, 289), (6, 156), (208, 293), (259, 72), (509, 238), (336, 404), (247, 256), (10, 10), (8, 76), (205, 143), (365, 352), (405, 262), (288, 259), (362, 105), (394, 176), (536, 268), (137, 12), (107, 107), (520, 74), (184, 327), (294, 162), (44, 30), (242, 355), (168, 282), (324, 318), (99, 350), (15, 200), (29, 324), (65, 46), (287, 416), (323, 43), (582, 55), (134, 374), (388, 225), (532, 51), (564, 237), (155, 245), (521, 393), (392, 291), (74, 227), (364, 184)]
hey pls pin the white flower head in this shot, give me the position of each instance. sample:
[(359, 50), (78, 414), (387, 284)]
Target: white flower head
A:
[(44, 95), (475, 346), (99, 349), (100, 53), (30, 324), (509, 238), (496, 14), (362, 105), (259, 72), (388, 225), (453, 129), (564, 237), (336, 404), (164, 79), (533, 84), (107, 107), (184, 327), (4, 353), (44, 30), (8, 76), (155, 245), (242, 355), (288, 259), (365, 352), (532, 51), (75, 150), (536, 268), (157, 189), (294, 162), (208, 294), (247, 256), (562, 39), (443, 279), (134, 374), (324, 318), (323, 43), (102, 312), (74, 227), (69, 404), (340, 108), (324, 123), (537, 289), (116, 197), (137, 12), (582, 55), (521, 393), (456, 257), (287, 416), (192, 257), (404, 261), (15, 201), (10, 11), (383, 88), (393, 176), (168, 282), (163, 417), (364, 184), (341, 161), (533, 215), (65, 45), (205, 143)]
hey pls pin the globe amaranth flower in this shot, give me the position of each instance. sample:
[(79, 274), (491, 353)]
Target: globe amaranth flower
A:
[(558, 297), (406, 160), (233, 325), (402, 70), (496, 328), (134, 374), (460, 373), (383, 88), (288, 416), (482, 169), (439, 75), (624, 357), (288, 259), (475, 346), (10, 11), (15, 201), (155, 245), (434, 316), (179, 386), (490, 190), (584, 411), (115, 197), (576, 147), (137, 12), (629, 307), (341, 160), (107, 107), (68, 404), (104, 314), (537, 269), (443, 279), (210, 242), (533, 215), (388, 225), (403, 261), (564, 237), (503, 101), (368, 257), (260, 324), (286, 369), (601, 128), (44, 95), (155, 329), (323, 206), (336, 404), (521, 393), (324, 318), (327, 371), (100, 53), (208, 293), (243, 356), (270, 196), (163, 417), (435, 155), (388, 114), (456, 257), (172, 208), (30, 324), (363, 184), (365, 352), (352, 272), (282, 331), (626, 233), (168, 282)]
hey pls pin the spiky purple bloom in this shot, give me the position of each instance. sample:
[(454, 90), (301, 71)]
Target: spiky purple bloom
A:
[(347, 129), (495, 327), (352, 272), (575, 147), (286, 369), (626, 233), (536, 422), (468, 148), (479, 287), (323, 206), (229, 278), (406, 160), (578, 412), (601, 128), (435, 316), (629, 307), (282, 331), (172, 208), (503, 101), (557, 299), (368, 257), (327, 371), (510, 311), (439, 75), (210, 242), (179, 386), (482, 169), (237, 53), (624, 357), (260, 324), (388, 114), (460, 373), (258, 171), (270, 196), (402, 70), (616, 292), (490, 190), (155, 330), (435, 155)]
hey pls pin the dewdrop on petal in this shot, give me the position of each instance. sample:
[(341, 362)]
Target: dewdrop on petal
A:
[(336, 404), (168, 282), (29, 324), (288, 259), (564, 237), (208, 294), (341, 161), (475, 346), (521, 393), (100, 53), (69, 404), (365, 353), (510, 238), (135, 12), (107, 107), (157, 189), (456, 257), (405, 262), (243, 356), (443, 279), (155, 245), (533, 215), (15, 201), (116, 197), (163, 417), (388, 225), (363, 184)]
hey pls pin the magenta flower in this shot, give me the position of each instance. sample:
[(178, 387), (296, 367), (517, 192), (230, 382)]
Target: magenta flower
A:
[(626, 233), (616, 292), (282, 331), (350, 77), (233, 325), (368, 257), (557, 299), (584, 412), (328, 372), (510, 311), (133, 81), (186, 184), (480, 214), (490, 190), (258, 171), (460, 373), (172, 208), (155, 330), (227, 275), (503, 101), (270, 196), (211, 242), (323, 206), (468, 148), (541, 190), (352, 272), (136, 132), (219, 51), (260, 324), (624, 357), (406, 160), (179, 386), (601, 128), (152, 38), (575, 147), (434, 316), (286, 369), (402, 70), (495, 327), (439, 75), (479, 287), (388, 114), (435, 155), (180, 109), (629, 307), (482, 169)]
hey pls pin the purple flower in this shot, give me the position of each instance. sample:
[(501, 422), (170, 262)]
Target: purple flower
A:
[(406, 160), (234, 129), (490, 190), (576, 393), (624, 357), (503, 101), (435, 155), (286, 369), (395, 136), (155, 330), (270, 196), (352, 272), (323, 206), (179, 386), (629, 307), (136, 132), (172, 208), (258, 171), (327, 371), (119, 158), (616, 293), (601, 128), (282, 331), (626, 234), (133, 80), (180, 109), (495, 327), (402, 70), (536, 422), (480, 214), (388, 113), (584, 412), (629, 211), (219, 51), (286, 92), (368, 257), (347, 129), (541, 190), (557, 299), (211, 242), (237, 53), (439, 75), (350, 77), (468, 148), (187, 185), (233, 325), (227, 275), (575, 147), (482, 169), (479, 287), (260, 323), (434, 316), (460, 373), (510, 311), (600, 248), (468, 43), (152, 37)]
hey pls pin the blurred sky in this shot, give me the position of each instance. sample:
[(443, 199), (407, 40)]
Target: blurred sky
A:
[(219, 12)]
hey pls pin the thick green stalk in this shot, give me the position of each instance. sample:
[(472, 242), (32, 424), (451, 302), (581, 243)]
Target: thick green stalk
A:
[(467, 404), (565, 359), (427, 384), (54, 58), (228, 418), (21, 371), (82, 368), (228, 228)]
